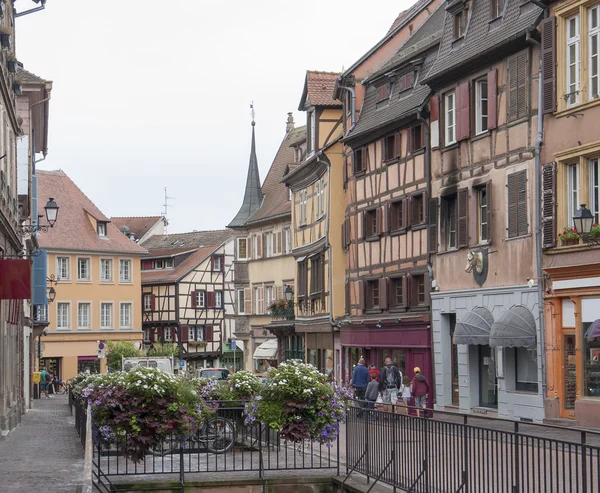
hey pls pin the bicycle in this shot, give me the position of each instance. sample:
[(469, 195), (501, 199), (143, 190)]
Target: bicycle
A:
[(216, 434)]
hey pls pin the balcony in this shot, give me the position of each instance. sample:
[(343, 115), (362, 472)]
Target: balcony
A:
[(282, 310)]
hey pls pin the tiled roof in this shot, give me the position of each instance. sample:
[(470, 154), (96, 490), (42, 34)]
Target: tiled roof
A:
[(187, 241), (73, 229), (276, 194), (318, 89), (173, 275), (138, 226), (482, 38), (27, 77)]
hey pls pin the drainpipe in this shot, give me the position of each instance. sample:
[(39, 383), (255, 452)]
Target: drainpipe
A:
[(353, 107), (538, 239)]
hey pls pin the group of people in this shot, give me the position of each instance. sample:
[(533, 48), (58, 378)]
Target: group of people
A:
[(389, 386), (49, 384)]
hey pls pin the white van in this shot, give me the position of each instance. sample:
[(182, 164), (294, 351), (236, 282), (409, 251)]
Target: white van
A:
[(162, 363)]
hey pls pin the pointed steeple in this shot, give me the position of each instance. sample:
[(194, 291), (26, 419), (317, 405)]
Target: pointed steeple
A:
[(253, 194)]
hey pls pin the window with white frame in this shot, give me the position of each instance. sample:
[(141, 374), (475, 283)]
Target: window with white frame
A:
[(482, 213), (321, 197), (106, 269), (62, 268), (125, 316), (450, 117), (148, 302), (594, 17), (217, 263), (268, 244), (201, 299), (101, 229), (218, 299), (256, 301), (269, 296), (196, 333), (83, 315), (125, 270), (287, 233), (303, 206), (106, 315), (62, 315), (83, 269), (573, 190), (240, 301), (168, 334), (594, 170), (573, 53), (242, 248), (481, 106)]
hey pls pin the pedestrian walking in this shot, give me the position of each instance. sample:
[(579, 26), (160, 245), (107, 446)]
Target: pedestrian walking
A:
[(420, 389), (43, 382), (360, 380), (390, 380), (372, 392), (406, 392)]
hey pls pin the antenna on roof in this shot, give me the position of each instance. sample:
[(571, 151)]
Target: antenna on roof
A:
[(166, 205), (252, 112)]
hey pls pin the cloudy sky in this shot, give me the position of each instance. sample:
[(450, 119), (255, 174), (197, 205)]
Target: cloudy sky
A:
[(155, 93)]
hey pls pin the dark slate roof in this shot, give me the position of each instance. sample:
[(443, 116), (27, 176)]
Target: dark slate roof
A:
[(421, 45), (253, 194), (27, 77), (187, 241), (483, 38)]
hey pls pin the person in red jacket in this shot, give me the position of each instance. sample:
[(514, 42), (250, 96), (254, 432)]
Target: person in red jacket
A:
[(374, 371), (420, 389)]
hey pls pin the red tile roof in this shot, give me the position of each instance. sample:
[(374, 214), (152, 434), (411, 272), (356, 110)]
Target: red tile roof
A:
[(73, 229), (318, 89), (173, 275), (139, 226)]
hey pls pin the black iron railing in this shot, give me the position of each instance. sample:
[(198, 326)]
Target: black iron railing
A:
[(80, 417)]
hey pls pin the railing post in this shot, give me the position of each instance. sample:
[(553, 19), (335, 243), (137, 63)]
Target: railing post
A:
[(394, 441), (181, 463), (584, 461), (517, 460), (260, 456), (366, 441), (466, 453)]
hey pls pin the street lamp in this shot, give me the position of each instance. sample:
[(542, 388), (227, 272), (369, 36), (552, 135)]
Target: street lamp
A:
[(288, 293), (583, 221), (51, 209)]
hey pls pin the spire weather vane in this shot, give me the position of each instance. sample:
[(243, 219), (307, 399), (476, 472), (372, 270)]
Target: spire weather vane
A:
[(252, 112)]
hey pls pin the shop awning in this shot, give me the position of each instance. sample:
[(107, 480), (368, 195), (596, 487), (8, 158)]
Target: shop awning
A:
[(593, 330), (514, 328), (267, 350), (474, 328)]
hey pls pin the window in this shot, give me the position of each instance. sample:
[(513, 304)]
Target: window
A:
[(106, 315), (316, 275), (269, 295), (321, 197), (397, 218), (125, 270), (240, 301), (482, 214), (371, 226), (397, 294), (497, 8), (268, 245), (406, 82), (166, 263), (450, 119), (594, 16), (254, 246), (196, 334), (217, 263), (63, 272), (303, 205), (417, 209), (573, 47), (360, 160), (390, 148), (302, 278), (83, 269), (517, 204), (256, 301), (372, 294), (594, 167), (101, 229), (242, 248), (418, 139), (591, 358), (418, 285), (573, 191), (125, 316), (218, 299), (148, 302), (83, 315), (312, 123), (62, 315), (287, 235), (460, 23), (201, 299), (383, 92), (526, 369), (106, 269), (167, 334), (481, 106), (449, 222), (40, 313)]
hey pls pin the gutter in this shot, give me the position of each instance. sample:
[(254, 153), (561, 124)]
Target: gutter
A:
[(352, 91), (538, 237)]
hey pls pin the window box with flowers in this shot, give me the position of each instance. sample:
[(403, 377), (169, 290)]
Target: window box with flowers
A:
[(282, 309), (569, 236), (595, 231)]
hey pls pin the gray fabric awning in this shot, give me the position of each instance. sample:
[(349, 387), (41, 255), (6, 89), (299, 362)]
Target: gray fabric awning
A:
[(474, 328), (267, 350), (514, 328)]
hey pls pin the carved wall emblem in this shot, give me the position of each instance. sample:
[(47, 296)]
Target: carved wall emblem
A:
[(477, 263)]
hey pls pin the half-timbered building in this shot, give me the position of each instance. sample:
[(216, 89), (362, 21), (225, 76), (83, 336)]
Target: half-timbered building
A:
[(317, 212), (187, 295), (385, 228), (485, 307)]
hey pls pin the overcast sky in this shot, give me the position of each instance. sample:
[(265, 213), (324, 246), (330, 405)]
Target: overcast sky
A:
[(155, 93)]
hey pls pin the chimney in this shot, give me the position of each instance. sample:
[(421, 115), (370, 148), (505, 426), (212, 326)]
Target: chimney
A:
[(290, 122)]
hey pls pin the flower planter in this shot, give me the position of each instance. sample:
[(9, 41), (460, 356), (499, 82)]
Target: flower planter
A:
[(12, 66), (570, 241), (5, 40)]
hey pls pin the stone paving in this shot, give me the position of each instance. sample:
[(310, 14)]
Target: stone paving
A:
[(43, 454)]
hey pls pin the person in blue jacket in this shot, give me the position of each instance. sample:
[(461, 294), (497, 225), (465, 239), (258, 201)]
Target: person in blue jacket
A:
[(360, 380)]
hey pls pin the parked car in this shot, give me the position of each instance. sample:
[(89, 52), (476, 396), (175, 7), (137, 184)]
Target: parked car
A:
[(216, 373)]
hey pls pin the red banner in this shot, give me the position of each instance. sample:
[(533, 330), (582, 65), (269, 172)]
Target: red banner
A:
[(15, 279)]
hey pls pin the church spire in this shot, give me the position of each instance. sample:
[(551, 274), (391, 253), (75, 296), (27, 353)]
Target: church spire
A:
[(253, 194)]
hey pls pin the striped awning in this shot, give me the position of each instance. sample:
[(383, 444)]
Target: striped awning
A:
[(514, 328)]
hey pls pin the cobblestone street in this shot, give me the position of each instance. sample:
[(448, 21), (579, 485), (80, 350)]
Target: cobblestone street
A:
[(43, 454)]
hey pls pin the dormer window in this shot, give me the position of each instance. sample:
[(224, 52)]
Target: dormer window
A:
[(101, 229), (217, 263), (497, 8), (406, 81), (383, 92), (166, 263), (460, 22)]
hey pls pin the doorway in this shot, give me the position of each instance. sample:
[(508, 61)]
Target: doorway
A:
[(488, 381), (453, 361)]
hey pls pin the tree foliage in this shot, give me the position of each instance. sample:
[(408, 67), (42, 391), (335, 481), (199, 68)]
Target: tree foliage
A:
[(115, 351), (169, 350)]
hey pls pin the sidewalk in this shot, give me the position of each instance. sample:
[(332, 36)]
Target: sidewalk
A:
[(43, 454)]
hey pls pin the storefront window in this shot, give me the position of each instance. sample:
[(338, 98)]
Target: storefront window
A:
[(527, 375), (294, 348), (591, 363), (88, 364), (488, 396)]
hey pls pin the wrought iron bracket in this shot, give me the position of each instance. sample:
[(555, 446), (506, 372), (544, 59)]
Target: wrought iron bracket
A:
[(30, 229)]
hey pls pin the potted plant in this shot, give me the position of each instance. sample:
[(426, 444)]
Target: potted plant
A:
[(595, 231), (11, 64), (569, 236), (5, 35), (17, 87)]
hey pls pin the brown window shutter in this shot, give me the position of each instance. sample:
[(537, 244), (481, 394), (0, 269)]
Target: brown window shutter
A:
[(406, 299), (409, 141), (345, 171), (434, 108), (322, 278), (548, 205), (387, 217), (210, 299), (208, 333), (398, 144), (185, 333), (463, 119), (427, 290), (361, 295), (425, 204), (194, 297), (151, 335), (548, 28), (522, 85), (383, 293), (344, 235), (512, 192), (212, 262), (348, 233), (379, 219), (405, 210), (462, 213), (488, 194), (153, 302), (512, 89), (363, 217), (522, 202), (433, 225), (492, 88), (347, 298)]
